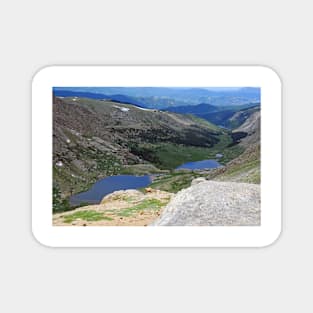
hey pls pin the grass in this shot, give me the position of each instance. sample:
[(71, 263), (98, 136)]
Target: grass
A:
[(95, 164), (174, 182), (229, 153), (247, 173), (89, 216), (204, 122), (140, 169), (245, 169), (148, 204), (169, 156)]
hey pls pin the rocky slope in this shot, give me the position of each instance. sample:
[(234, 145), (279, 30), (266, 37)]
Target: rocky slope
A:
[(210, 203), (252, 127), (230, 118), (245, 168)]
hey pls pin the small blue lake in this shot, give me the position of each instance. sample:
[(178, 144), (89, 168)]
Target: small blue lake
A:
[(198, 165), (108, 185)]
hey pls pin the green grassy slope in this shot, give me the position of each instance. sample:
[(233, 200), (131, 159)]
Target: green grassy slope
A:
[(175, 181), (245, 168)]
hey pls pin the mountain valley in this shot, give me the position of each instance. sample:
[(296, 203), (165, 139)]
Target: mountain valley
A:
[(107, 138), (98, 136)]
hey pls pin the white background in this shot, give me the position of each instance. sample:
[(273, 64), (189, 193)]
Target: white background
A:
[(192, 76), (38, 279)]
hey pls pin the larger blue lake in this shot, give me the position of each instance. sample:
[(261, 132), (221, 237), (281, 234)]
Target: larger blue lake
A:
[(108, 185)]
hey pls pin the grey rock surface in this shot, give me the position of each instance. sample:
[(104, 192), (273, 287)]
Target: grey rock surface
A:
[(213, 203)]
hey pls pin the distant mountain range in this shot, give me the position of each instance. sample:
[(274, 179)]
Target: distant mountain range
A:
[(98, 96), (228, 116), (193, 109), (225, 116), (165, 97)]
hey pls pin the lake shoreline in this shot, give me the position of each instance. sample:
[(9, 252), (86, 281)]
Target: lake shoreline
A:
[(109, 184)]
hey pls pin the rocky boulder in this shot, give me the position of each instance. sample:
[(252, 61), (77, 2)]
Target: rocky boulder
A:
[(211, 203)]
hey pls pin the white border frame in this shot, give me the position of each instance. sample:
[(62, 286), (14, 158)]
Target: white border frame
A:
[(161, 76)]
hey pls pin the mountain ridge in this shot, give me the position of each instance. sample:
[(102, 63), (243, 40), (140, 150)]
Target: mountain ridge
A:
[(162, 97)]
